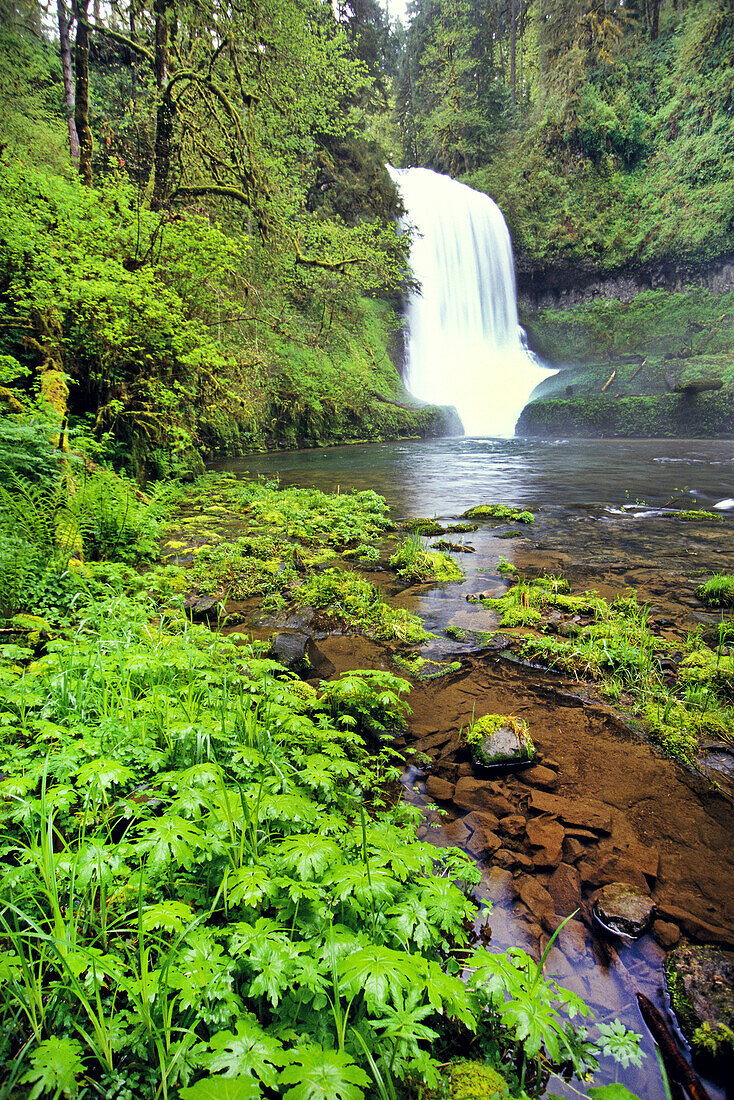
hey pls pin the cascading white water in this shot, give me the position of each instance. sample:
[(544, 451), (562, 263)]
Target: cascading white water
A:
[(464, 341)]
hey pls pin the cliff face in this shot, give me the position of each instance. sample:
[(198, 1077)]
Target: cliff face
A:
[(541, 288), (647, 352)]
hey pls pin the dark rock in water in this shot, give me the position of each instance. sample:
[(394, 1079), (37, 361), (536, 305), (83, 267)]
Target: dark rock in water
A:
[(546, 837), (299, 653), (623, 909), (478, 794), (666, 934), (539, 776), (700, 981), (200, 607)]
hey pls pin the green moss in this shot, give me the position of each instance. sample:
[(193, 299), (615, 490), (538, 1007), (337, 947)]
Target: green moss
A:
[(424, 527), (475, 1081), (352, 602), (698, 515), (504, 566), (498, 512), (479, 737)]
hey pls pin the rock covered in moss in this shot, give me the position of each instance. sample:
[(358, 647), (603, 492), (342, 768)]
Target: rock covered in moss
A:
[(700, 981), (623, 909), (475, 1081), (499, 739), (500, 512)]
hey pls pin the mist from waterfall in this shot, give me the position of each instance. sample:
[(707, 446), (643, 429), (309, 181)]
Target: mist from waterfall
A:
[(465, 344)]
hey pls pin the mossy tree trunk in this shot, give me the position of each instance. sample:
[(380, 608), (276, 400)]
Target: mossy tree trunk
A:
[(68, 74), (81, 106), (164, 111)]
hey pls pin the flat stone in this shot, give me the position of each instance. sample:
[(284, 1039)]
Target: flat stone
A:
[(534, 896), (538, 776), (546, 836), (479, 819), (647, 860), (513, 825), (465, 770), (701, 985), (479, 794), (482, 843), (564, 886), (623, 909), (666, 934), (457, 832), (584, 814), (696, 927), (427, 744), (440, 789)]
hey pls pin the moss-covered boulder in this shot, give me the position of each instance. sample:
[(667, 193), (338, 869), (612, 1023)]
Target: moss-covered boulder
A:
[(500, 739), (474, 1081), (700, 981)]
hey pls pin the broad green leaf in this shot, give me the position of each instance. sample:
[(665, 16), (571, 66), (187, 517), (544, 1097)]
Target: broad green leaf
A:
[(56, 1064), (377, 972), (250, 1052), (222, 1088), (318, 1074), (612, 1092)]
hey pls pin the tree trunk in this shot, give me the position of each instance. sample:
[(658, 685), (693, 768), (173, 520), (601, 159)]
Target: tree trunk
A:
[(513, 46), (68, 73), (655, 15), (164, 112), (81, 105)]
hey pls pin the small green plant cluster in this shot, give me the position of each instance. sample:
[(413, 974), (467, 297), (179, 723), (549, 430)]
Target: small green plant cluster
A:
[(350, 601), (505, 567), (498, 512), (419, 566), (478, 738), (717, 591)]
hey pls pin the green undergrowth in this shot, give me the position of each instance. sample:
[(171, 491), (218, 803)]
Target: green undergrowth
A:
[(683, 690), (282, 547), (209, 889)]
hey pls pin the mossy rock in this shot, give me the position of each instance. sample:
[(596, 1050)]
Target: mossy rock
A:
[(499, 512), (718, 591), (700, 981), (498, 739), (474, 1081)]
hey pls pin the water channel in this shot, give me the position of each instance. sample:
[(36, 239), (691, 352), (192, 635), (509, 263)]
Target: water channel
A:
[(605, 518)]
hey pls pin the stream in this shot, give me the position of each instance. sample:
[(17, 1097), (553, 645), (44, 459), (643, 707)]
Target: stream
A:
[(604, 520)]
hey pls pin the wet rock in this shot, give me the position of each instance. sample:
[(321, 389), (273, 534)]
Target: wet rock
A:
[(433, 741), (700, 981), (483, 843), (457, 833), (539, 776), (506, 858), (623, 909), (646, 860), (440, 789), (666, 934), (582, 813), (503, 742), (696, 927), (534, 896), (575, 941), (545, 836), (480, 794), (479, 819), (564, 886), (513, 826), (299, 653), (201, 607)]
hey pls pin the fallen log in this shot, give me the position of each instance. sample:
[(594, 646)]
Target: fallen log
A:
[(675, 1064), (699, 385), (609, 381), (636, 372)]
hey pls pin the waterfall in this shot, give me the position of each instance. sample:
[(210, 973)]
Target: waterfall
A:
[(465, 345)]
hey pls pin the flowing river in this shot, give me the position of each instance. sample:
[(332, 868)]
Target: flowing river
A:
[(605, 519)]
